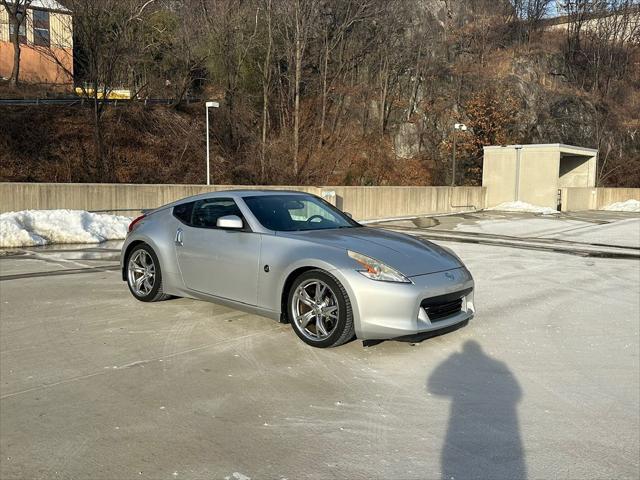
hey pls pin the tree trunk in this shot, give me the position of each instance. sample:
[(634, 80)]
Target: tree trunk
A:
[(15, 72), (416, 86), (266, 80), (325, 66), (98, 139), (106, 170), (298, 75), (384, 91)]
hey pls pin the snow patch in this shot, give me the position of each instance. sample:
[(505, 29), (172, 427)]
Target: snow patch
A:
[(628, 206), (519, 206), (237, 476), (42, 227)]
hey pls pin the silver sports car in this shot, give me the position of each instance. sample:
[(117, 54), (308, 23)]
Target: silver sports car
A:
[(294, 257)]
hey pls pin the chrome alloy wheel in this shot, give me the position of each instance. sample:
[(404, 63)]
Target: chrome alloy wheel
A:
[(315, 309), (141, 273)]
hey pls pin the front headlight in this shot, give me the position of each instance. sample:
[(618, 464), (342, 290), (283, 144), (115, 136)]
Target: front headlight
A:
[(376, 270)]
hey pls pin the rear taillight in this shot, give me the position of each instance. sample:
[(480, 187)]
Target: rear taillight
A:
[(133, 224)]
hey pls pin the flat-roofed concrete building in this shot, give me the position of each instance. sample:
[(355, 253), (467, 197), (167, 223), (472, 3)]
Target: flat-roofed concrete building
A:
[(46, 35), (535, 173)]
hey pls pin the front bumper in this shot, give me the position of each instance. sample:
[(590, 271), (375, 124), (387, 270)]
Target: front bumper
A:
[(384, 310)]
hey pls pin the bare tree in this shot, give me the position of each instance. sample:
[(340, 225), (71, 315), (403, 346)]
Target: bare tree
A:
[(303, 12), (266, 85), (233, 30), (601, 38), (528, 16), (174, 49), (17, 11), (297, 19), (107, 35)]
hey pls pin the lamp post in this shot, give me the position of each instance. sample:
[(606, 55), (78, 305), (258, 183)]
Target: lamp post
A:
[(209, 105), (462, 127)]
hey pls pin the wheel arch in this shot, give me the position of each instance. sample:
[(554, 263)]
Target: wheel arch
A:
[(128, 250), (286, 286)]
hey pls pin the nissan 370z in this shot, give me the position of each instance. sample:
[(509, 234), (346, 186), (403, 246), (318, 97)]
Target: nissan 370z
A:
[(296, 258)]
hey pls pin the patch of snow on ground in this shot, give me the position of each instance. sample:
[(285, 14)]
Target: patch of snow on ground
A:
[(521, 227), (42, 227), (623, 233), (628, 206), (519, 206)]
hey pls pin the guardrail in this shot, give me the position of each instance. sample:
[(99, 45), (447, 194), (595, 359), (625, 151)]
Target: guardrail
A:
[(86, 100)]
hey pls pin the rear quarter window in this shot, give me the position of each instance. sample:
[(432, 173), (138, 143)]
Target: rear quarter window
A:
[(183, 212)]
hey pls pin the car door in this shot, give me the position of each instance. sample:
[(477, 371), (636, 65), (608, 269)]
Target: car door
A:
[(216, 261)]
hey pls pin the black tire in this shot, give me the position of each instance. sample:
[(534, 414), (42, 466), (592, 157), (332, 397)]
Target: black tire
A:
[(156, 293), (343, 331)]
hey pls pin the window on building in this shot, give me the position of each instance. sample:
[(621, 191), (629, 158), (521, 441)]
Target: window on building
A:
[(41, 31), (22, 30)]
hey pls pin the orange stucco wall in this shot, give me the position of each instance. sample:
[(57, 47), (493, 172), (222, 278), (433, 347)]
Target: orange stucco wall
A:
[(36, 67)]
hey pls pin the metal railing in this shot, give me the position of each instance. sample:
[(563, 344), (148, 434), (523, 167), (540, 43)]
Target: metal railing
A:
[(83, 100)]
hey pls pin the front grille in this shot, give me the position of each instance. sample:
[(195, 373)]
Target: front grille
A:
[(438, 312), (444, 306)]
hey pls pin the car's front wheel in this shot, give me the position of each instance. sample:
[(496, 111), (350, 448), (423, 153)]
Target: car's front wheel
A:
[(319, 310), (143, 274)]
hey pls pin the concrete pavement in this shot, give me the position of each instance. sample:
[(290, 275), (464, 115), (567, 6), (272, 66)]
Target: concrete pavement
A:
[(543, 383)]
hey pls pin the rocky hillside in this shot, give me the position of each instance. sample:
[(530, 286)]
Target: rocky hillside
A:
[(371, 99)]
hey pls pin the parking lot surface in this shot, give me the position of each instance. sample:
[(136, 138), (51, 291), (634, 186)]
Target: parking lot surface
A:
[(542, 383)]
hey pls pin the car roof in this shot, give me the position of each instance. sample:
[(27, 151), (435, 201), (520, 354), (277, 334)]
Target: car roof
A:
[(237, 193), (246, 192)]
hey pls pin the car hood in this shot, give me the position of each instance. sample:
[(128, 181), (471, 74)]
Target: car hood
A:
[(409, 255)]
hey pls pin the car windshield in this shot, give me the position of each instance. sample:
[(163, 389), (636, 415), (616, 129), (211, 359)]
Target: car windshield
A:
[(288, 213)]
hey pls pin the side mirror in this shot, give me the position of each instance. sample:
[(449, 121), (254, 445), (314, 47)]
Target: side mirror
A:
[(230, 221), (348, 214)]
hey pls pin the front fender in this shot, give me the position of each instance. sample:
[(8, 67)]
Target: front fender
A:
[(282, 257)]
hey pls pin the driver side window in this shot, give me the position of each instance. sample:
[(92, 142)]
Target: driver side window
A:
[(206, 212)]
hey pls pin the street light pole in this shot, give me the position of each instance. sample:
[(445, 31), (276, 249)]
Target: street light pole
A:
[(207, 106), (453, 167), (456, 127)]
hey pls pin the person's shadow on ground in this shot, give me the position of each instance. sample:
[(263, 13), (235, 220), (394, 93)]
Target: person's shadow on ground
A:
[(483, 437)]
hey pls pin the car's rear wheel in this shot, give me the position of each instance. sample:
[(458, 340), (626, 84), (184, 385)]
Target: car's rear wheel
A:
[(319, 310), (143, 274)]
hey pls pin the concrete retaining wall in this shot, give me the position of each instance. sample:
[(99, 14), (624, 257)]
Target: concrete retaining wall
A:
[(100, 196), (575, 199), (363, 203), (385, 202)]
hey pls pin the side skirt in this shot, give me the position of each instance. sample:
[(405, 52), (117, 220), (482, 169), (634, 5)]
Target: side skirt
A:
[(245, 307)]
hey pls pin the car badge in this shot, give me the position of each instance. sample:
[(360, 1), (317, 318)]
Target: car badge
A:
[(449, 275)]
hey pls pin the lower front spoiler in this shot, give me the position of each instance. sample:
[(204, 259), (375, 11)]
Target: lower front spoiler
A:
[(420, 337)]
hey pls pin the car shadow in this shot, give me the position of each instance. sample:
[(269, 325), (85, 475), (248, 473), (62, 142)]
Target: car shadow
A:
[(483, 437)]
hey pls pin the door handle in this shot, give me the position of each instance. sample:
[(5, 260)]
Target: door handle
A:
[(179, 237)]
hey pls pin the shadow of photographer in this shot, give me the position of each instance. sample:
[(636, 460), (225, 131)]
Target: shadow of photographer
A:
[(483, 437)]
